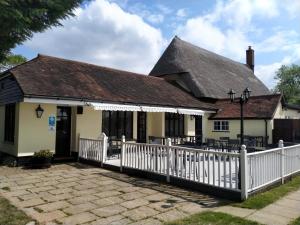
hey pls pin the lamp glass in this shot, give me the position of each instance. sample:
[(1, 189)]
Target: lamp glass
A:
[(231, 94), (39, 111)]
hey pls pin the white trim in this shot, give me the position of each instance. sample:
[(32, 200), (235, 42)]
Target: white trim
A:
[(114, 107), (194, 112), (54, 101), (158, 109)]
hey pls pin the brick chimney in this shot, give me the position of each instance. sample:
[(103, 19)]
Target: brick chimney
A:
[(250, 58)]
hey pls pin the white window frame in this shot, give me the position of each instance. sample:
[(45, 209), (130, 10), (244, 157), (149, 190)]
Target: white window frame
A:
[(222, 125)]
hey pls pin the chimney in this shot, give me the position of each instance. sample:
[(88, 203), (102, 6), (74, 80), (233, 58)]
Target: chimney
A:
[(250, 58)]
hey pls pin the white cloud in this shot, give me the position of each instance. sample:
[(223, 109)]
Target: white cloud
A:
[(266, 73), (227, 30), (282, 40), (103, 34), (292, 7), (155, 18), (181, 13)]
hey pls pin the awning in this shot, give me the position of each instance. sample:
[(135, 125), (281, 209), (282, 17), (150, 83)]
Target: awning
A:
[(194, 112), (136, 108), (114, 107), (158, 109)]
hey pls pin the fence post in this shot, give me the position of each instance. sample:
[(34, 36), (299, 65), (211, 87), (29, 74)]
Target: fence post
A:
[(122, 153), (244, 173), (280, 145), (169, 143), (79, 149), (104, 148)]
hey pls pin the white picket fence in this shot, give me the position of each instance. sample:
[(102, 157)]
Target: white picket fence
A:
[(93, 149), (218, 169), (267, 167)]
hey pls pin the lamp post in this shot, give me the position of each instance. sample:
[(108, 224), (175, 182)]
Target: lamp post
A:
[(242, 100)]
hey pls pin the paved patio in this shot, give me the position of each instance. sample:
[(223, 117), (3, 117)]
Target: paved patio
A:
[(80, 194)]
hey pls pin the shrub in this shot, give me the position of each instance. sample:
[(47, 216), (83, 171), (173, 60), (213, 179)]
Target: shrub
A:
[(43, 154)]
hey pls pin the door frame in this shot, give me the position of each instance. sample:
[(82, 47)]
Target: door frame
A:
[(67, 152), (138, 126)]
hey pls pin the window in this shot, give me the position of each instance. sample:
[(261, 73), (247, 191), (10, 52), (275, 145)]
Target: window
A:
[(117, 123), (221, 125), (9, 126), (174, 125)]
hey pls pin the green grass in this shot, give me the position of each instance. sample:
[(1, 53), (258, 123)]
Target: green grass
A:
[(212, 218), (295, 222), (10, 215), (263, 199)]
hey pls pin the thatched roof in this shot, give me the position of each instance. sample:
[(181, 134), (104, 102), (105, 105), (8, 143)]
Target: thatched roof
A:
[(205, 73)]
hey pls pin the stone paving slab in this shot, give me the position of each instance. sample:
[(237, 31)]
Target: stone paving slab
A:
[(79, 194)]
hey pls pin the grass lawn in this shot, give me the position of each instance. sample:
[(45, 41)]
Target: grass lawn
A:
[(263, 199), (296, 221), (10, 215), (212, 218)]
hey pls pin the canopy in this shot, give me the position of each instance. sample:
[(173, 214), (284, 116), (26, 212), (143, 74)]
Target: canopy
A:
[(136, 108)]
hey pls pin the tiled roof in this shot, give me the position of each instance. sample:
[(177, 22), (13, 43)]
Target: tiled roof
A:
[(258, 107), (60, 78), (205, 73)]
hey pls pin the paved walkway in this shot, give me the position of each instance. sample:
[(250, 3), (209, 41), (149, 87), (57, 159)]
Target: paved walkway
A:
[(282, 212), (79, 194)]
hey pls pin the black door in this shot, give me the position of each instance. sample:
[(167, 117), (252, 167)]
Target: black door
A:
[(141, 127), (198, 129), (63, 131)]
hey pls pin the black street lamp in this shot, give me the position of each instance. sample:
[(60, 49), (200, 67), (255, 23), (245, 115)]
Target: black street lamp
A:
[(242, 100)]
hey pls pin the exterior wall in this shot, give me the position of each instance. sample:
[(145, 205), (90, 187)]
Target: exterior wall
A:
[(33, 132), (10, 91), (9, 148), (205, 126), (155, 124), (251, 127), (135, 125), (189, 126), (286, 113), (86, 125)]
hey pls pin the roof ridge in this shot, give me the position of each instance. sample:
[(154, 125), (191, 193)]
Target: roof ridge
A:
[(255, 96), (176, 38), (94, 65)]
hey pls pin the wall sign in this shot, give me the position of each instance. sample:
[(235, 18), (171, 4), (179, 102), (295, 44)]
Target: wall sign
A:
[(51, 123)]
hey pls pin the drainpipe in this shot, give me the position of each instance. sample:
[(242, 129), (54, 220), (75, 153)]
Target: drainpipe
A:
[(266, 133)]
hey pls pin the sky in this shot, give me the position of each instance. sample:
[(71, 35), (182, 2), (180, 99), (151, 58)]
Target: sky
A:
[(132, 34)]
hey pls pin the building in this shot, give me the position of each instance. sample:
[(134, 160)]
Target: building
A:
[(79, 99), (48, 102)]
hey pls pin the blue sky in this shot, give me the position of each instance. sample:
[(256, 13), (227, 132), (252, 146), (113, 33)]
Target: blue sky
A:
[(132, 34)]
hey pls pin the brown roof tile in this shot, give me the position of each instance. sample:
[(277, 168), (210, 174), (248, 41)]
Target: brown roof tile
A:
[(55, 77), (258, 107)]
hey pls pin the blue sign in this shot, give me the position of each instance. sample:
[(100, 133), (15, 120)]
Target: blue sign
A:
[(51, 123)]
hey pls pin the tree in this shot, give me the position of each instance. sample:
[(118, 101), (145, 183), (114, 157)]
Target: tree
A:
[(10, 61), (289, 83), (19, 19)]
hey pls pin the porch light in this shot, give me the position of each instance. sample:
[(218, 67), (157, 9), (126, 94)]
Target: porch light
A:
[(231, 94), (39, 111)]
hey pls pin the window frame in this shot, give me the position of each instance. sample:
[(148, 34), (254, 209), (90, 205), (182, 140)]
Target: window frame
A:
[(119, 126), (221, 126), (10, 123), (173, 121)]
